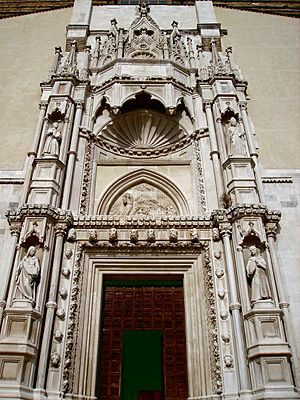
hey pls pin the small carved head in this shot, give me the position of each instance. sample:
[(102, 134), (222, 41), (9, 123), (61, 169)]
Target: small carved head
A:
[(228, 361), (58, 335), (55, 360), (68, 253), (253, 250), (215, 234), (72, 234), (31, 251), (66, 272)]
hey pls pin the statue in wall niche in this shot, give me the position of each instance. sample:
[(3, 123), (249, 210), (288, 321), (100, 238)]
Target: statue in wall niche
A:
[(236, 144), (26, 276), (257, 272), (51, 147)]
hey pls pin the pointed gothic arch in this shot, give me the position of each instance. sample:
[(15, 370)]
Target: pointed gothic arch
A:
[(132, 179)]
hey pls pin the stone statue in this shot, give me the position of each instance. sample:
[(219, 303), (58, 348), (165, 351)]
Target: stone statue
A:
[(257, 271), (51, 147), (127, 204), (26, 276), (235, 138)]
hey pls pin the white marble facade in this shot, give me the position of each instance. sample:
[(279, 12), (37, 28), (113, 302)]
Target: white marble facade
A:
[(144, 161)]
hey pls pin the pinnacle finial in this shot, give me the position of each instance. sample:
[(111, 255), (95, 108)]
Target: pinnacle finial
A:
[(144, 9)]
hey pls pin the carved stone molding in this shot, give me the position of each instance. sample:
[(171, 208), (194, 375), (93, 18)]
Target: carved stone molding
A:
[(85, 190), (212, 323), (108, 221), (198, 170), (72, 333)]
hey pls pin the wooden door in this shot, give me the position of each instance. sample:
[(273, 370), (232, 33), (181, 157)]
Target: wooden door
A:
[(144, 308)]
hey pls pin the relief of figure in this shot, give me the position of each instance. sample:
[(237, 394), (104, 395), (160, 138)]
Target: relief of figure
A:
[(236, 144), (127, 200), (257, 271), (51, 147), (26, 276)]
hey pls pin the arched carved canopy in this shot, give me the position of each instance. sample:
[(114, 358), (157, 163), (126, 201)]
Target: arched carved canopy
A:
[(143, 193), (140, 132)]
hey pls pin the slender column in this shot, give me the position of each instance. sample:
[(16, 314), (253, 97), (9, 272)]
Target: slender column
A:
[(120, 44), (15, 232), (72, 155), (214, 150), (235, 307), (166, 47), (220, 137), (86, 60), (253, 152), (33, 153), (96, 52), (51, 305), (284, 305)]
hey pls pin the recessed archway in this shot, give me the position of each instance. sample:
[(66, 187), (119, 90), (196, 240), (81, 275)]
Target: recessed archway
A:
[(152, 178)]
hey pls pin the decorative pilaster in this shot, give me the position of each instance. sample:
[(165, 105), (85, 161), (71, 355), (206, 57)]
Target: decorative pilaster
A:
[(214, 150), (72, 155), (235, 307), (51, 305), (253, 151)]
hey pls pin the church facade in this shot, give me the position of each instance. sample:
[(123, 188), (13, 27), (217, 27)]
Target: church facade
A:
[(143, 259)]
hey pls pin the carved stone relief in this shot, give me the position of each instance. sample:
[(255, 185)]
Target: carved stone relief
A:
[(144, 200)]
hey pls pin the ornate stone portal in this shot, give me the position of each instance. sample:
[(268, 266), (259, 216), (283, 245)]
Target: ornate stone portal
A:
[(144, 169)]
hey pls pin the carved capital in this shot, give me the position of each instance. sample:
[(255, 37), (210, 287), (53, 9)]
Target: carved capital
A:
[(79, 104), (207, 104), (60, 229), (225, 229), (243, 106), (43, 105)]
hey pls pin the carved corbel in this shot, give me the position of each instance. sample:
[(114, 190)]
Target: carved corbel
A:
[(15, 228), (271, 229)]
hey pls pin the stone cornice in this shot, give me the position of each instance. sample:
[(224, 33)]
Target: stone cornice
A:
[(39, 210)]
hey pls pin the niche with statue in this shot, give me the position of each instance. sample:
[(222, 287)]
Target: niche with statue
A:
[(234, 135), (257, 268)]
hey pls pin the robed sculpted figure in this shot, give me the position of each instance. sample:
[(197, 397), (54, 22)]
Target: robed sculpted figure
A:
[(257, 272), (27, 275), (51, 146), (236, 144)]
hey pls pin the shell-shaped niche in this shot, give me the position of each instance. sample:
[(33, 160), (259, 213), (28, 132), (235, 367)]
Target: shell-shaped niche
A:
[(144, 200), (144, 130)]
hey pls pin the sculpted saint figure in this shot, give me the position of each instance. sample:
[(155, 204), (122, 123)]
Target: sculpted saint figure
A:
[(51, 146), (236, 141), (127, 204), (257, 271), (26, 275)]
